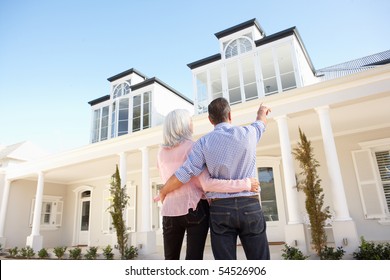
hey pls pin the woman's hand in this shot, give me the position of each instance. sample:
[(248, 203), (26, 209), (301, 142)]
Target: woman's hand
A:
[(255, 185)]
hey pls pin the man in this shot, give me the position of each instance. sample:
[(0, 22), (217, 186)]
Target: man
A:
[(229, 152)]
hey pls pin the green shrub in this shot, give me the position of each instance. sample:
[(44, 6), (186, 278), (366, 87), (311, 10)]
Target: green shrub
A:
[(75, 254), (91, 253), (292, 253), (27, 252), (43, 254), (107, 253), (13, 252), (372, 251), (328, 253), (130, 253), (59, 252)]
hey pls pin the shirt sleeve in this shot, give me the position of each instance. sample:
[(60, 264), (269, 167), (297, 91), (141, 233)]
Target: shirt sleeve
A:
[(223, 186), (260, 128), (194, 164)]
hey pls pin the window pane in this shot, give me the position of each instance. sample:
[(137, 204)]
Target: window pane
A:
[(249, 77), (137, 100), (85, 215), (216, 82), (288, 81), (201, 92), (267, 194), (122, 129), (383, 161), (136, 124), (136, 112), (233, 83), (267, 64), (146, 121), (270, 86)]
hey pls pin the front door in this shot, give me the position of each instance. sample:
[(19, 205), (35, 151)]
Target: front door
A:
[(84, 215), (272, 199)]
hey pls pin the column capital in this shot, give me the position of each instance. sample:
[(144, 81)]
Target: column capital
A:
[(321, 109), (144, 149), (282, 117)]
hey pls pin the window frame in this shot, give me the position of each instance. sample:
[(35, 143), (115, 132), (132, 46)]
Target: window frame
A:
[(366, 155), (55, 215)]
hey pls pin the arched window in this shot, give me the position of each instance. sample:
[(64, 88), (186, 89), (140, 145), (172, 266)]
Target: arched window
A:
[(121, 89), (238, 46)]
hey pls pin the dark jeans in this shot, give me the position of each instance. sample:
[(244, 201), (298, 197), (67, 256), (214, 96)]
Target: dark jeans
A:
[(196, 223), (233, 217)]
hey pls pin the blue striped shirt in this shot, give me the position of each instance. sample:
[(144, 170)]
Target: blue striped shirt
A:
[(229, 152)]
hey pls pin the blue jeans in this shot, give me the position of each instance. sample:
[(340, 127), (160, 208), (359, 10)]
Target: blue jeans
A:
[(238, 217), (196, 224)]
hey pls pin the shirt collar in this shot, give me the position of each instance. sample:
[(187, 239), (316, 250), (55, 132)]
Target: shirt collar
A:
[(221, 125)]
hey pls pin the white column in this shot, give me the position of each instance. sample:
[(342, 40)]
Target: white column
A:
[(35, 240), (4, 204), (146, 201), (336, 180), (123, 168), (289, 172)]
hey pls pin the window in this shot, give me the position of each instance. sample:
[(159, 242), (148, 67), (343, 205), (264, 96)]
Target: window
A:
[(202, 93), (268, 194), (238, 46), (141, 111), (286, 69), (372, 169), (100, 124), (277, 69), (121, 90), (268, 71), (383, 162), (51, 213), (120, 117), (233, 76)]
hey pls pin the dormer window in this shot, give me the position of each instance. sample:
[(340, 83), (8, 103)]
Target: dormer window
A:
[(238, 46), (121, 89)]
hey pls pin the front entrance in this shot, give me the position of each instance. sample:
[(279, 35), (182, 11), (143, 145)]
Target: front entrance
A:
[(84, 218), (272, 198)]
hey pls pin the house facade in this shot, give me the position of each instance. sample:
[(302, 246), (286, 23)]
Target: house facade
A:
[(61, 199)]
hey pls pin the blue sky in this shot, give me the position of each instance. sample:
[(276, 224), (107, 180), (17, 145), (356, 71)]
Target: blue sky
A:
[(55, 56)]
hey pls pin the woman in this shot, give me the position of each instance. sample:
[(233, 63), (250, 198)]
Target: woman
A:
[(186, 209)]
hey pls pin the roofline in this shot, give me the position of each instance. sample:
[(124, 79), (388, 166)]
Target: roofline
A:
[(239, 27), (265, 40), (125, 73), (99, 100), (204, 61)]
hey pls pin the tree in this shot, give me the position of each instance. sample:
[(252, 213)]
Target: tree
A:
[(311, 186), (120, 200)]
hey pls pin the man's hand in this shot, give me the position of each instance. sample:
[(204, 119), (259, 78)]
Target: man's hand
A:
[(255, 185), (262, 113)]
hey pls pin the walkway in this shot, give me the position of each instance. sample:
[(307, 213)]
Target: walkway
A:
[(276, 253)]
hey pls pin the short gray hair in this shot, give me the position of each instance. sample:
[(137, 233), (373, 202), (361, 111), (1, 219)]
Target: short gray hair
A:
[(176, 128)]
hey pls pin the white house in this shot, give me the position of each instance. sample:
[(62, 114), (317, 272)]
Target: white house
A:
[(61, 199)]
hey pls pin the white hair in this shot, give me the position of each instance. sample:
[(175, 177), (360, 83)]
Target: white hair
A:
[(177, 128)]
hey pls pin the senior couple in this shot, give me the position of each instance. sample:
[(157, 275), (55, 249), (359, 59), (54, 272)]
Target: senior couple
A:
[(212, 183)]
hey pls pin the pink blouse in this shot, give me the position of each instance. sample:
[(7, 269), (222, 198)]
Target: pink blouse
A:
[(178, 202)]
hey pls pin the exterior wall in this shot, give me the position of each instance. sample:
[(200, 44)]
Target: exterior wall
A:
[(18, 214)]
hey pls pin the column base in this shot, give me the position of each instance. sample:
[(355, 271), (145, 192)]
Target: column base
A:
[(295, 237), (345, 235), (35, 242), (146, 242)]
